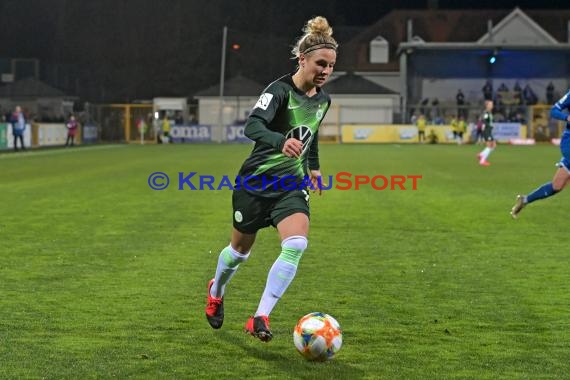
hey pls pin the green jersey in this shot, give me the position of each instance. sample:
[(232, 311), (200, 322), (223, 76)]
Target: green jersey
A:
[(282, 112), (488, 122)]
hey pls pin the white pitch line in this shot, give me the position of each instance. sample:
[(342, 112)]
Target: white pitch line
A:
[(62, 150)]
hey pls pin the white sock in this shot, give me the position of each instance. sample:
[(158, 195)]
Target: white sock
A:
[(485, 154), (282, 273), (228, 263)]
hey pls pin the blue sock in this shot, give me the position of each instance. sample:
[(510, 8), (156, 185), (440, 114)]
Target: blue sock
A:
[(543, 191)]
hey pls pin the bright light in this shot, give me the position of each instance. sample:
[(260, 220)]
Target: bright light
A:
[(493, 56)]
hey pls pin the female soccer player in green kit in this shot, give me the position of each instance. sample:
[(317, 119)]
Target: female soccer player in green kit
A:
[(272, 182)]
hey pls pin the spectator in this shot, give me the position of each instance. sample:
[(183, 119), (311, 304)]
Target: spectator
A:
[(435, 107), (432, 137), (178, 119), (461, 129), (156, 126), (503, 88), (142, 127), (18, 122), (165, 129), (421, 124), (488, 90), (519, 118), (460, 99), (454, 127), (502, 95), (517, 93), (529, 96), (550, 93), (72, 125)]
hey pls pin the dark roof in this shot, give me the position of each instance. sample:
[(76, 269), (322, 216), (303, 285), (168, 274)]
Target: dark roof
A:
[(343, 34), (236, 86), (30, 87), (355, 84), (438, 26)]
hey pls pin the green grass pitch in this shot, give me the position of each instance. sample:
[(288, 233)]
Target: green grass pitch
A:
[(102, 277)]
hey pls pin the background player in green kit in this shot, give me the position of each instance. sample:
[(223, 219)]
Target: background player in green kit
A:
[(490, 142), (271, 188)]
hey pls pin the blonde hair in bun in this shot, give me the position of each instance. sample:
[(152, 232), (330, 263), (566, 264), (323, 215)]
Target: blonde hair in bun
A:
[(317, 35)]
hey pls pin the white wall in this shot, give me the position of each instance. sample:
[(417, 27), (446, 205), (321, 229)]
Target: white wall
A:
[(356, 109), (362, 109), (234, 109)]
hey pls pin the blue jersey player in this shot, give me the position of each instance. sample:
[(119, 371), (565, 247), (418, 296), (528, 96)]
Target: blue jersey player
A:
[(560, 112)]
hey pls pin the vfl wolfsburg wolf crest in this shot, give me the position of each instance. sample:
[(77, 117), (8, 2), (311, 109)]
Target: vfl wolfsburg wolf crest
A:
[(302, 133)]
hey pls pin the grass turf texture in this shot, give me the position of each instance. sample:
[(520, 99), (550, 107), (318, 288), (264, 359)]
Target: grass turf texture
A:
[(102, 277)]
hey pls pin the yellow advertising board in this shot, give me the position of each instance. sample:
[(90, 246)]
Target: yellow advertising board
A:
[(393, 133), (405, 134)]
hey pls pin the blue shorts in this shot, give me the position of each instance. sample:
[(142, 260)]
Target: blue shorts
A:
[(565, 150)]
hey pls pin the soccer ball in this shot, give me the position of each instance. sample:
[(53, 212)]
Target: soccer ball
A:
[(317, 336)]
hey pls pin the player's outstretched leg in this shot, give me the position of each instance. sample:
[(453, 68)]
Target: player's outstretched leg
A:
[(545, 191)]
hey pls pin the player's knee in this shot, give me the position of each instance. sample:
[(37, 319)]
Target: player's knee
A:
[(298, 243), (292, 249), (560, 181)]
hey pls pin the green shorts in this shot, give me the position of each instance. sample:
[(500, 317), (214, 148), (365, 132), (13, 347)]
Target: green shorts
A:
[(252, 213)]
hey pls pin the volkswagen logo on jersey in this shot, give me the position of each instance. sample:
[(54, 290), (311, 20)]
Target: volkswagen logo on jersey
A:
[(302, 133)]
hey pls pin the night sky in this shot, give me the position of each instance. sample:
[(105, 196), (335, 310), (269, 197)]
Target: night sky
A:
[(368, 12), (121, 50)]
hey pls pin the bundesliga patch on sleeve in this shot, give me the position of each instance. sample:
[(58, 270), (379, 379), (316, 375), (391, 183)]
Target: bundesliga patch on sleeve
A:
[(263, 101)]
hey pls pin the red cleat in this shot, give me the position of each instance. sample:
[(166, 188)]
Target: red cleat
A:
[(214, 309), (259, 328), (485, 163)]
